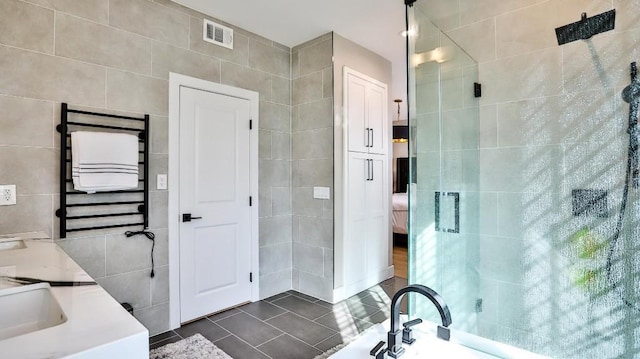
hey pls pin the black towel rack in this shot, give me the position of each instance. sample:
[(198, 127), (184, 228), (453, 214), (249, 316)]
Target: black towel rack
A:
[(135, 203)]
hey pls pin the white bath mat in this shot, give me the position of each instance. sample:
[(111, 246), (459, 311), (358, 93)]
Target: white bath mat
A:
[(194, 347)]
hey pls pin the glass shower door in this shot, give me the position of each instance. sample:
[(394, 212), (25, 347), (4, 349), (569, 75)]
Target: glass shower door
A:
[(444, 197)]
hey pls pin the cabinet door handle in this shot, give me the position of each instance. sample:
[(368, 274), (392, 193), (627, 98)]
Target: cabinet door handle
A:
[(366, 137), (371, 167), (371, 143)]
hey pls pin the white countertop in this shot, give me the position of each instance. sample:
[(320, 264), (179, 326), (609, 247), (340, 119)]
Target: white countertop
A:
[(97, 326)]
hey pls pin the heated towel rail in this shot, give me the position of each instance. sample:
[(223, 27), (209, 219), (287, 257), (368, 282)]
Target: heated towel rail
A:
[(80, 211)]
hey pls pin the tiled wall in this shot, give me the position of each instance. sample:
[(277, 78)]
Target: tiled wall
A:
[(312, 155), (551, 120), (115, 56)]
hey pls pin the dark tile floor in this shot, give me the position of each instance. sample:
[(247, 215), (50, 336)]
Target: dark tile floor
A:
[(290, 325)]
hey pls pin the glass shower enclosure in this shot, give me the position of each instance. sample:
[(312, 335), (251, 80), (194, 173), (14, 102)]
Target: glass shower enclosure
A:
[(523, 198)]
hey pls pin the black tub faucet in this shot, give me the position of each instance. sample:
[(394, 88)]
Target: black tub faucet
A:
[(394, 337)]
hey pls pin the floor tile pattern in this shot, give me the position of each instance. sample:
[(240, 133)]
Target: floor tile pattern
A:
[(290, 325)]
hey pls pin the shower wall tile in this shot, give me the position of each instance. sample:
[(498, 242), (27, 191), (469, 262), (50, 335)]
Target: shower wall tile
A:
[(133, 288), (147, 19), (141, 94), (307, 88), (488, 135), (168, 58), (533, 169), (275, 230), (315, 232), (519, 77), (305, 205), (268, 58), (238, 55), (529, 29), (281, 201), (316, 115), (309, 173), (473, 11), (88, 252), (594, 165), (315, 144), (274, 173), (274, 116), (275, 258), (460, 171), (246, 78), (281, 146), (591, 67), (451, 88), (95, 10), (460, 129), (26, 26), (281, 87), (102, 45), (315, 57), (26, 122), (264, 144), (626, 14), (477, 39), (308, 259), (427, 132), (64, 80), (34, 169), (443, 13)]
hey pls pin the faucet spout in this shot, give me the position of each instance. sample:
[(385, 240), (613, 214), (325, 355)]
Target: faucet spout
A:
[(395, 334)]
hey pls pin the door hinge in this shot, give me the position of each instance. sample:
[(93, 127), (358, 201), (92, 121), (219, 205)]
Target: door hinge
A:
[(477, 90), (251, 277), (250, 201), (251, 124)]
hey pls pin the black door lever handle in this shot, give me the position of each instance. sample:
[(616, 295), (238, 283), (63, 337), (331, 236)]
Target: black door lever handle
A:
[(186, 217)]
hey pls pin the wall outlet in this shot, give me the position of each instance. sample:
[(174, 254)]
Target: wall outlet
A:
[(161, 182), (7, 195)]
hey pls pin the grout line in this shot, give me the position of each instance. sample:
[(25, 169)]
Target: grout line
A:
[(272, 339)]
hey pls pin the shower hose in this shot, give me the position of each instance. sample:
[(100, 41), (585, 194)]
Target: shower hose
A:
[(631, 94)]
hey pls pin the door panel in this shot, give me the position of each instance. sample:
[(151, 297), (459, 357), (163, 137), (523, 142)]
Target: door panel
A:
[(215, 251), (377, 216), (377, 118), (356, 114), (356, 239)]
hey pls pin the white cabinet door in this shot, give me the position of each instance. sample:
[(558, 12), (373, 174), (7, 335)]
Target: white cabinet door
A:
[(365, 101), (355, 103), (366, 245)]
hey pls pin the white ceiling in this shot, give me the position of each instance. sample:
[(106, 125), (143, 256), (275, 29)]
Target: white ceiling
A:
[(374, 24)]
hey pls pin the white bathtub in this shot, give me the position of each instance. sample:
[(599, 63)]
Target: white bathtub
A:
[(462, 345)]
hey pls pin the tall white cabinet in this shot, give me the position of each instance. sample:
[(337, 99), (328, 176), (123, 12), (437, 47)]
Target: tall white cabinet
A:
[(366, 242)]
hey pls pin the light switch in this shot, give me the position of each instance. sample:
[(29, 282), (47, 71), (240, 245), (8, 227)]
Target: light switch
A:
[(161, 182), (321, 192)]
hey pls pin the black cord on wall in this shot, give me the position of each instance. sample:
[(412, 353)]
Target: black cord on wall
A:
[(152, 237)]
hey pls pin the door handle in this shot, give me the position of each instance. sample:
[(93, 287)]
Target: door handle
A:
[(371, 143), (366, 137), (371, 166), (186, 217)]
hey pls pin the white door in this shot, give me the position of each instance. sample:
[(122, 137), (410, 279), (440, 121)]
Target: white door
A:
[(377, 207), (355, 104), (377, 118), (215, 246), (355, 242)]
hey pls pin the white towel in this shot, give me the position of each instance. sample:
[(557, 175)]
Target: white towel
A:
[(102, 161)]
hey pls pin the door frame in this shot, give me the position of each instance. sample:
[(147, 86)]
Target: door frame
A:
[(176, 81)]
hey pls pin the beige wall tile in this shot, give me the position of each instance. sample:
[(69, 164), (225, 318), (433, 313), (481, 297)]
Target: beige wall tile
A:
[(136, 93), (239, 55), (304, 204), (444, 14), (264, 144), (281, 146), (88, 252), (152, 20), (155, 318), (281, 88), (316, 57), (275, 258), (159, 134), (26, 26), (268, 58), (627, 14), (314, 115), (308, 259), (316, 286), (26, 122), (309, 173), (472, 11), (246, 78), (95, 10), (160, 286), (281, 202), (327, 83), (64, 80), (275, 283), (275, 230), (132, 287), (103, 45), (307, 88), (519, 77), (33, 170), (127, 254), (167, 58), (478, 39), (30, 213), (274, 173), (275, 116), (314, 144)]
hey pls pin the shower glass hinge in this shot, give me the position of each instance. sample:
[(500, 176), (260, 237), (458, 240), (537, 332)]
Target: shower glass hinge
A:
[(477, 90)]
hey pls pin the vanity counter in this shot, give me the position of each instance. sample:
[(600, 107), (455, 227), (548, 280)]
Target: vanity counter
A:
[(96, 325)]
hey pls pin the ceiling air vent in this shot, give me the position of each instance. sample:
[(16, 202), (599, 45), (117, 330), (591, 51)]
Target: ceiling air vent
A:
[(217, 34)]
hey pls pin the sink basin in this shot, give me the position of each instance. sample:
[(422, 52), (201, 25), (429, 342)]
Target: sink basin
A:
[(28, 309), (6, 244)]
